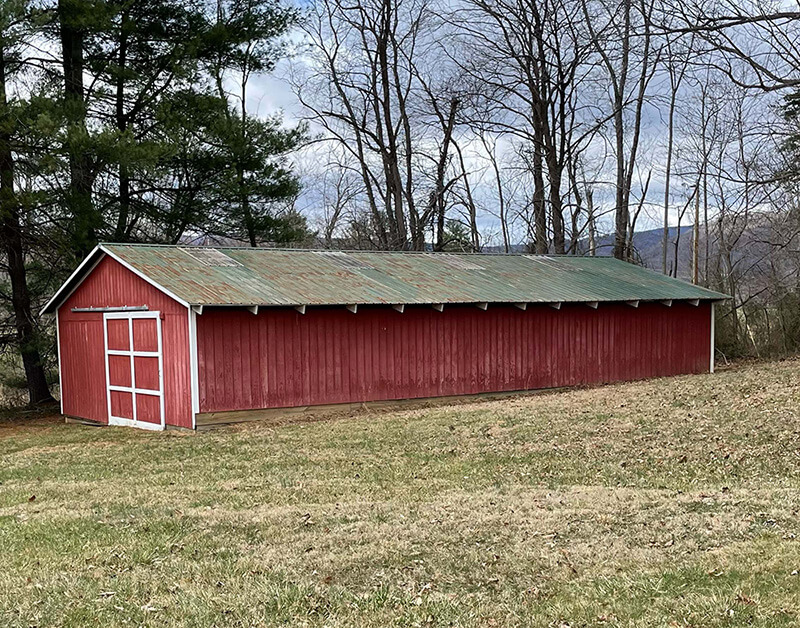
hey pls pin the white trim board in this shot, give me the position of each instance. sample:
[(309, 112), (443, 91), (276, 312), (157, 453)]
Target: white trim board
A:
[(713, 340), (58, 355), (57, 297), (142, 425), (62, 294), (193, 367), (132, 353)]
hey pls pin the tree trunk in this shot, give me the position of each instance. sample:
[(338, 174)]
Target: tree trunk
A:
[(696, 238), (554, 175), (472, 209), (391, 156), (622, 211), (244, 195), (38, 390), (81, 177), (591, 221), (241, 174), (124, 181), (437, 204), (247, 214), (668, 177), (575, 213), (704, 147), (501, 201), (539, 209)]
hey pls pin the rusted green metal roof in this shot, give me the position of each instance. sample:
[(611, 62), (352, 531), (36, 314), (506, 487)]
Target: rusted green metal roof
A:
[(286, 277)]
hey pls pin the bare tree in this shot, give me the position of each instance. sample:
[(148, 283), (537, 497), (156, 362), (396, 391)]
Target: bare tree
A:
[(677, 64), (536, 122), (756, 35), (364, 88), (622, 34), (530, 62)]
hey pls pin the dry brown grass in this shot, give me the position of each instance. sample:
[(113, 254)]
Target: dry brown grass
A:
[(672, 502)]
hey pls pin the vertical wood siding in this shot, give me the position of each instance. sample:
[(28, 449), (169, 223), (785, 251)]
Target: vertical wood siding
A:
[(81, 343), (281, 358)]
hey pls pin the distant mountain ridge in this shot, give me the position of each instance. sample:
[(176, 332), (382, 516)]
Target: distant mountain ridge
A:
[(646, 245)]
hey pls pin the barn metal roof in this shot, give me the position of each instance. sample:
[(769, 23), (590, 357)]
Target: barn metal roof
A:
[(207, 276)]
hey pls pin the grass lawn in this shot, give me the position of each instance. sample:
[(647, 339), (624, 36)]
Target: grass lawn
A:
[(672, 502)]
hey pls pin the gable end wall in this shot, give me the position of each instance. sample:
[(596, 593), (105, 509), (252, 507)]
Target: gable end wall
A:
[(81, 346)]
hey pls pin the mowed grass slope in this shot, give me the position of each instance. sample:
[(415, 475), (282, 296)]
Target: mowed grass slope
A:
[(672, 502)]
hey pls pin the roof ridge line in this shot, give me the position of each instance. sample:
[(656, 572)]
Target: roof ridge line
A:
[(370, 251)]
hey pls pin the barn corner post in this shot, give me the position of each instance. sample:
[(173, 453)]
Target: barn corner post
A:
[(58, 358), (713, 347), (193, 367)]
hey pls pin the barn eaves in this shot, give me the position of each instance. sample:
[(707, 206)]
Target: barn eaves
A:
[(258, 278)]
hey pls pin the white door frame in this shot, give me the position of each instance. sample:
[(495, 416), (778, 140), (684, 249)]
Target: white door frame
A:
[(133, 390)]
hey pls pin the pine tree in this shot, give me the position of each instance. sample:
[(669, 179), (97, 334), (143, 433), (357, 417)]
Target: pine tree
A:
[(245, 41), (14, 26)]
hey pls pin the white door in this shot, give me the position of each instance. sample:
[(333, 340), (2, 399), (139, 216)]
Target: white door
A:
[(134, 369)]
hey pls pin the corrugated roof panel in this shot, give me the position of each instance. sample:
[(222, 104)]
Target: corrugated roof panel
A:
[(343, 259), (462, 262), (210, 257), (298, 277)]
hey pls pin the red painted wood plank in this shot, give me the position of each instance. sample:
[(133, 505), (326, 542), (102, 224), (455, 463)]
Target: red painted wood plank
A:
[(145, 334), (148, 408), (330, 355)]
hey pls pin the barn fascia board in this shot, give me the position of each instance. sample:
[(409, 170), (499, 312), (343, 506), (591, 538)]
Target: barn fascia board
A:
[(59, 297), (87, 266)]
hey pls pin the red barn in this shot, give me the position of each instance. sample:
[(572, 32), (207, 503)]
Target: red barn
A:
[(171, 336)]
